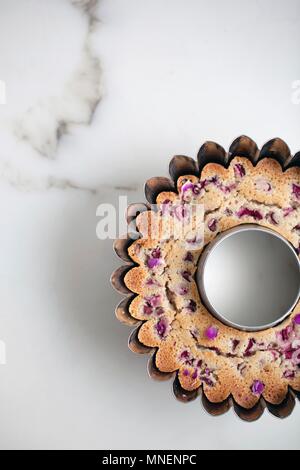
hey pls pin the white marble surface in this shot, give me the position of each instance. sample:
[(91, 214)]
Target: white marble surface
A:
[(170, 75)]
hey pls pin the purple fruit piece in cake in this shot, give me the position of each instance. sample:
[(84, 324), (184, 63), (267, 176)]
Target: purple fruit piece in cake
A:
[(287, 211), (211, 332), (296, 357), (161, 327), (257, 387), (195, 241), (192, 306), (159, 311), (203, 183), (226, 189), (216, 350), (248, 351), (166, 206), (147, 309), (297, 319), (254, 213), (197, 189), (212, 225), (186, 275), (288, 353), (188, 257), (296, 190), (272, 218), (207, 381), (235, 343), (195, 334), (289, 374), (239, 170), (186, 357), (182, 290), (154, 300), (228, 212), (285, 334), (153, 262), (186, 186)]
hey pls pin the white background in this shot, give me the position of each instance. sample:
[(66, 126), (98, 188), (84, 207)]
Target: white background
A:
[(175, 73)]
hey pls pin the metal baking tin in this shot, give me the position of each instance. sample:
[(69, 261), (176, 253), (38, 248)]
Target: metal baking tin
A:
[(210, 152), (202, 265)]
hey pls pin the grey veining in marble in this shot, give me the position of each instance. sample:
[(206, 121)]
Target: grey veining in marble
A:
[(46, 121)]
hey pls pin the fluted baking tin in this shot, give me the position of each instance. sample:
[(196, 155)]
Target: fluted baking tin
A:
[(210, 152)]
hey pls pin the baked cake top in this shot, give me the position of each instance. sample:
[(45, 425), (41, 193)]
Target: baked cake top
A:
[(189, 339)]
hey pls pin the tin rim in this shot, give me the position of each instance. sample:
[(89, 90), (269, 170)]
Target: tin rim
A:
[(201, 269)]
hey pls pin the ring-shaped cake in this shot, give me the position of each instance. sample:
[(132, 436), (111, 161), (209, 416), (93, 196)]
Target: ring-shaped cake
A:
[(228, 367)]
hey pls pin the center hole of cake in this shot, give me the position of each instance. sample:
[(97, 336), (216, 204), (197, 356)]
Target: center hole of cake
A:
[(249, 278)]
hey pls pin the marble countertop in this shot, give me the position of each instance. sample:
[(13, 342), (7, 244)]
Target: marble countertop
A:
[(96, 96)]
